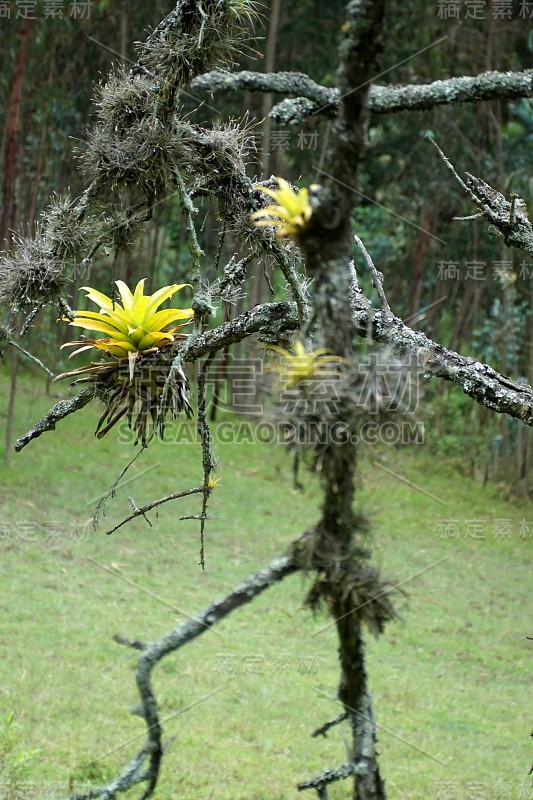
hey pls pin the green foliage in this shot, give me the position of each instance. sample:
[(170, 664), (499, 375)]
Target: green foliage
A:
[(15, 761), (498, 338), (91, 772), (384, 237), (451, 428)]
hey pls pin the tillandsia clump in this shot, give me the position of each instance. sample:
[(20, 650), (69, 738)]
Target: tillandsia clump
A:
[(35, 272), (366, 595), (131, 383), (290, 213), (306, 389), (209, 35), (323, 401)]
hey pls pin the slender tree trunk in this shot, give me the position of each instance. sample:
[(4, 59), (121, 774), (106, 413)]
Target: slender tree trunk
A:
[(11, 404), (7, 218), (257, 286), (270, 65), (124, 32), (417, 278)]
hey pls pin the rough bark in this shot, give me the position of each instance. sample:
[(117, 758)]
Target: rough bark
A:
[(327, 246), (508, 219), (479, 381), (314, 99)]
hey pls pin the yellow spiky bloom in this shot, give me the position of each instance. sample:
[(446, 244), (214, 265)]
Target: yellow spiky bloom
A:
[(133, 329), (133, 326), (289, 215), (302, 365)]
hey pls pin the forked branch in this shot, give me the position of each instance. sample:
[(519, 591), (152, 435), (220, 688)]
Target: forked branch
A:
[(145, 767), (508, 218)]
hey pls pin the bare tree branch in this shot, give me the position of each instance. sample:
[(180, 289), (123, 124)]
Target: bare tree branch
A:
[(322, 731), (153, 652), (208, 462), (112, 489), (509, 219), (269, 318), (366, 732), (33, 358), (377, 278), (142, 510), (313, 99), (57, 413)]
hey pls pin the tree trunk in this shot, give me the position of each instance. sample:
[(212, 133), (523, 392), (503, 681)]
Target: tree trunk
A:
[(417, 278), (11, 404), (270, 65), (257, 285), (7, 218)]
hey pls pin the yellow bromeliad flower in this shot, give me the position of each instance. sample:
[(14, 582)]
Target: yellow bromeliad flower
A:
[(134, 326), (291, 213), (302, 365)]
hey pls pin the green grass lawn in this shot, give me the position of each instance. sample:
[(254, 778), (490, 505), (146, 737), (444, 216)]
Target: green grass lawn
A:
[(449, 682)]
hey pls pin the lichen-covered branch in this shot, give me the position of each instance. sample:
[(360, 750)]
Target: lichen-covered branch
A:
[(479, 381), (270, 319), (31, 357), (152, 653), (508, 218), (329, 775), (313, 99), (465, 89), (208, 462), (366, 732), (297, 83), (192, 238), (57, 413)]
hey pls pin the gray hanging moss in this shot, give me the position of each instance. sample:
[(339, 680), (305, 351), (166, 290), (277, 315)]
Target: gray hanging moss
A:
[(36, 271), (196, 37)]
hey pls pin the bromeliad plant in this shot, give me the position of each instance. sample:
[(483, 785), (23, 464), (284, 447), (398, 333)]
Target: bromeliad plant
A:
[(309, 385), (134, 329), (291, 212), (302, 365)]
